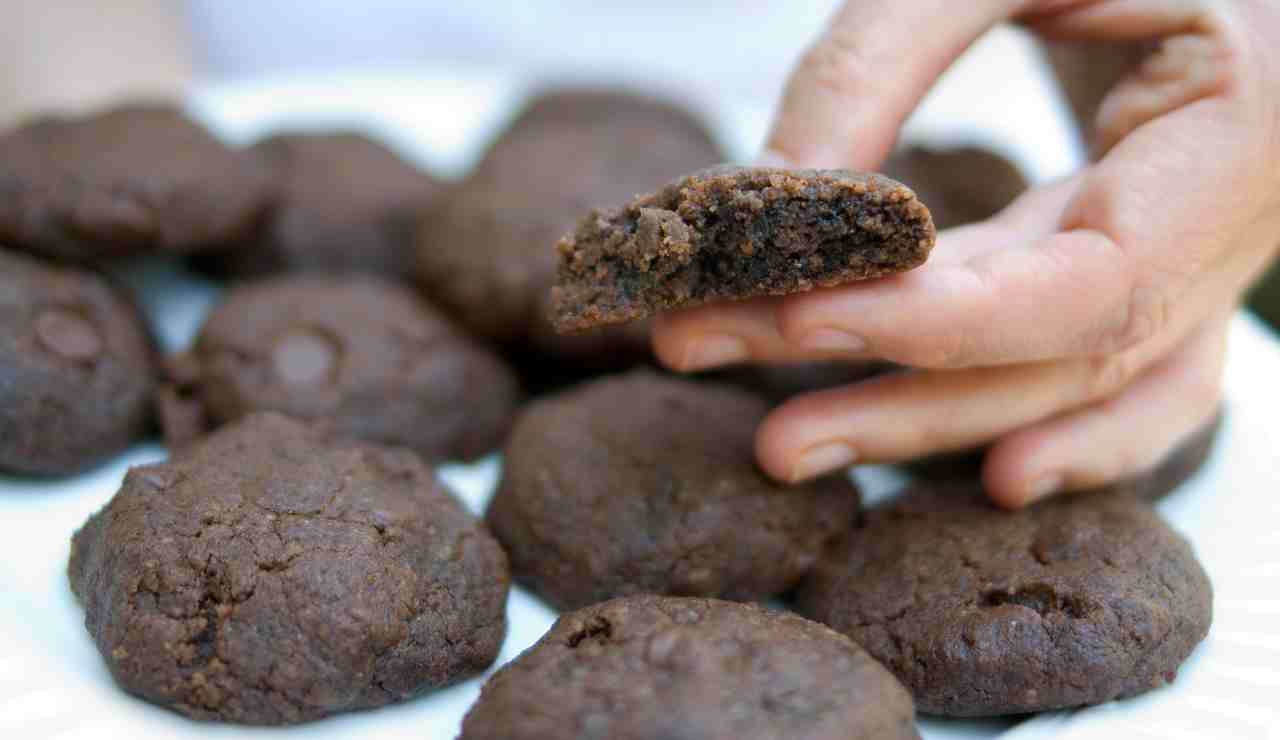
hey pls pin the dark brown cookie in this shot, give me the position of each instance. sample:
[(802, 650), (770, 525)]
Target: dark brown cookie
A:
[(1077, 600), (77, 368), (487, 251), (348, 204), (132, 179), (270, 575), (646, 667), (1179, 465), (641, 483), (361, 353), (961, 184), (729, 233)]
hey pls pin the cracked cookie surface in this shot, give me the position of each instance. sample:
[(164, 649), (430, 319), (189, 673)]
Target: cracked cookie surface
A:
[(642, 483), (77, 368), (1078, 600), (731, 233), (270, 575), (361, 353), (645, 667)]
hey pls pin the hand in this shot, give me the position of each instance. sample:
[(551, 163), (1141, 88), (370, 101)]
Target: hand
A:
[(1081, 332)]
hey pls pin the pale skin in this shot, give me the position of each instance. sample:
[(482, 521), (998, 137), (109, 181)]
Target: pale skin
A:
[(1081, 332)]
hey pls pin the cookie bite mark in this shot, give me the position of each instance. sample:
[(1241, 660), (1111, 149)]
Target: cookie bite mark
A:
[(69, 335), (729, 233), (306, 356)]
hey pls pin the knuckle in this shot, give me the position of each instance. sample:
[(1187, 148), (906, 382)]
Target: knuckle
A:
[(943, 353), (1143, 316), (1105, 375)]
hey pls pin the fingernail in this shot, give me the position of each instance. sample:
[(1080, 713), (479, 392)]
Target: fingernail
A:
[(1046, 486), (823, 458), (713, 350), (833, 340), (771, 158)]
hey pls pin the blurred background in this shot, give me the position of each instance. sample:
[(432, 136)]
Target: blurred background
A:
[(69, 55)]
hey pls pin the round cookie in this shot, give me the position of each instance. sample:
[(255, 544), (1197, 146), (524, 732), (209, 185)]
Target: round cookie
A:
[(347, 204), (961, 184), (127, 180), (646, 667), (1078, 600), (487, 253), (77, 368), (270, 575), (640, 483), (361, 353)]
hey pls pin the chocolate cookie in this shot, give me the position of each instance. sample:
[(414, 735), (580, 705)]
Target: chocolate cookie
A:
[(363, 354), (961, 184), (270, 575), (642, 483), (77, 368), (128, 180), (347, 204), (729, 233), (1077, 600), (647, 667), (486, 252)]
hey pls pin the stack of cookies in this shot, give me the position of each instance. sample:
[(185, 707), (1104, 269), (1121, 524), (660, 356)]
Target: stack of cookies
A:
[(297, 556)]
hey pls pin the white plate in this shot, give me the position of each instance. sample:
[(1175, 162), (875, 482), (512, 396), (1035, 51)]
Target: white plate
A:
[(54, 684)]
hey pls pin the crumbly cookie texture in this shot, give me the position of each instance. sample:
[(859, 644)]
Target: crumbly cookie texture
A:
[(729, 233)]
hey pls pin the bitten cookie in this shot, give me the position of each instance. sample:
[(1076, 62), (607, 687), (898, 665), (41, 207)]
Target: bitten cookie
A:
[(641, 483), (132, 179), (647, 667), (1077, 600), (729, 233), (362, 354), (77, 368), (270, 575), (961, 185), (347, 204), (487, 250)]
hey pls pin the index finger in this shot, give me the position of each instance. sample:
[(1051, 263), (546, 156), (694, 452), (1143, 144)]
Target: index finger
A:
[(856, 85)]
